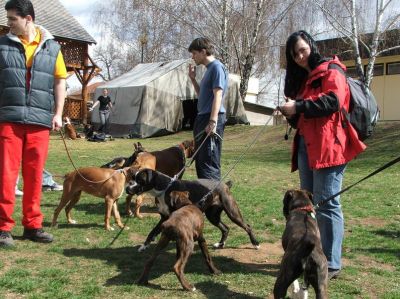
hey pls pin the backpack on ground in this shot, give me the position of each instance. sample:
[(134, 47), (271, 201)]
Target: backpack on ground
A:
[(363, 111)]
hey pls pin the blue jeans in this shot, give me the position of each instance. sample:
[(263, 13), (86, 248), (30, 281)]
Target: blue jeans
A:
[(208, 159), (323, 183), (104, 116)]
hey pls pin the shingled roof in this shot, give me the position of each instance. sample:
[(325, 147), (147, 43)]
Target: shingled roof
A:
[(52, 15)]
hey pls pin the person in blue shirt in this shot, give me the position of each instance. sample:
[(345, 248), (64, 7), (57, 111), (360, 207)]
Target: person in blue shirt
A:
[(210, 117)]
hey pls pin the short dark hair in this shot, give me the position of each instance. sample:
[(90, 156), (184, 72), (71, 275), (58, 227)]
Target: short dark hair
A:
[(22, 7), (202, 43)]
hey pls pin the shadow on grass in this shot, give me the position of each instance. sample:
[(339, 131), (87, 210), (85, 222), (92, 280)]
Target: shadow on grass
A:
[(220, 291), (130, 263), (391, 234), (375, 250)]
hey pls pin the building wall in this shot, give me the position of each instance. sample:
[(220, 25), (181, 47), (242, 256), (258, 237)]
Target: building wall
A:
[(385, 87), (259, 119)]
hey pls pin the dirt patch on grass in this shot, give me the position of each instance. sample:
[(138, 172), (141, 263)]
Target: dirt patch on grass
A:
[(267, 254), (368, 221)]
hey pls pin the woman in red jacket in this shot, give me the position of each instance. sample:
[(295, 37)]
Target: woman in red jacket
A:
[(325, 142)]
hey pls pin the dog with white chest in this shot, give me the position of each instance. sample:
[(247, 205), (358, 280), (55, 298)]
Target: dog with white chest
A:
[(303, 249)]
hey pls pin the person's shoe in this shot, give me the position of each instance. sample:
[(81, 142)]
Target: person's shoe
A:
[(6, 240), (18, 192), (333, 273), (37, 235), (54, 187)]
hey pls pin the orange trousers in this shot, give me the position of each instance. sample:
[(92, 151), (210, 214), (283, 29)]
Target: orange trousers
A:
[(25, 145)]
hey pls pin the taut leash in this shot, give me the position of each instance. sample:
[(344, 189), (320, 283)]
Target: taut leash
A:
[(387, 165)]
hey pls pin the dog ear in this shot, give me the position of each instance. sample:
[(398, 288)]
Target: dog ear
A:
[(286, 202), (310, 196)]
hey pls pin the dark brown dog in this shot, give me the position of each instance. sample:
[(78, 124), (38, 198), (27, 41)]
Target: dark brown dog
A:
[(185, 226), (168, 161), (302, 244), (101, 182), (211, 196)]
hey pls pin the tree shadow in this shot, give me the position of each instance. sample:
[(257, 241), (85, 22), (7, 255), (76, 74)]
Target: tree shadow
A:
[(130, 264), (391, 234)]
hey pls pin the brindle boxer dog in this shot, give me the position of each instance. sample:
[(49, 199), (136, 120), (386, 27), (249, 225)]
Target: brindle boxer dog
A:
[(101, 182), (302, 244), (168, 161), (220, 199), (185, 225)]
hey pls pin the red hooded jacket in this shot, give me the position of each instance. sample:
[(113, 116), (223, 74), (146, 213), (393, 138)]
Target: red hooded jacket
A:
[(329, 137)]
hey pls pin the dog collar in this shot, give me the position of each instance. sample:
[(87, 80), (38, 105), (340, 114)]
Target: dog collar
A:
[(309, 209)]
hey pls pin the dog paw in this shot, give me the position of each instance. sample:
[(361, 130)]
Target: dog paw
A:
[(139, 216), (72, 221), (218, 245), (143, 248), (142, 282), (217, 272), (257, 246)]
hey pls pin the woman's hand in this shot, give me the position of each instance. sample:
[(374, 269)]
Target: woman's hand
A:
[(289, 108)]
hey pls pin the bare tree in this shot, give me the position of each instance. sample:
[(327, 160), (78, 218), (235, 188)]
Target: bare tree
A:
[(386, 16)]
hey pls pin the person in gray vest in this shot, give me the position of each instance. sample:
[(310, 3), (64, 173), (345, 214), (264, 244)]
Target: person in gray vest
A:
[(210, 119), (32, 92)]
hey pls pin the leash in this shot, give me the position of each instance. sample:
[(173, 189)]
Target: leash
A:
[(201, 202), (387, 165), (77, 170)]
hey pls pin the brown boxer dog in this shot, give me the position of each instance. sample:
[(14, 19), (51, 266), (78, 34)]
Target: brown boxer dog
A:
[(302, 244), (185, 226), (211, 196), (69, 129), (100, 182), (168, 161)]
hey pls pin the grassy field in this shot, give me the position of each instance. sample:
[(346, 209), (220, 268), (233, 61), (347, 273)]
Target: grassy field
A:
[(82, 264)]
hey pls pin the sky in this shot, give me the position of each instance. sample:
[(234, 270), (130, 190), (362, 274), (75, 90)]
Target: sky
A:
[(82, 11)]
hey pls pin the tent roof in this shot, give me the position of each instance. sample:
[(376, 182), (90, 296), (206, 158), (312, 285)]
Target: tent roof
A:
[(52, 15), (144, 73)]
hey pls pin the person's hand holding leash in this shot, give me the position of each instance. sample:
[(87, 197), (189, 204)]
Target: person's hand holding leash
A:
[(289, 108), (211, 127), (57, 122)]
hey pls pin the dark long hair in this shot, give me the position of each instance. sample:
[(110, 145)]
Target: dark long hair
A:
[(295, 74)]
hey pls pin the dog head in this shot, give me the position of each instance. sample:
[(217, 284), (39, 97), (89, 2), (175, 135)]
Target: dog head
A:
[(67, 120), (187, 147), (179, 199), (116, 163), (148, 180), (294, 199)]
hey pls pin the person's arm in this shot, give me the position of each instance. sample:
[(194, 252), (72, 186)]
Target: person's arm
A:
[(110, 103), (59, 97), (192, 76), (94, 105), (216, 105)]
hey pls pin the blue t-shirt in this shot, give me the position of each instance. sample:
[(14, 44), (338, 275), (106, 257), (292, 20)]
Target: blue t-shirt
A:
[(216, 76)]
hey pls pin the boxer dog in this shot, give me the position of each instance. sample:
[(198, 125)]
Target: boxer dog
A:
[(100, 182), (211, 196), (169, 161), (302, 245), (185, 225)]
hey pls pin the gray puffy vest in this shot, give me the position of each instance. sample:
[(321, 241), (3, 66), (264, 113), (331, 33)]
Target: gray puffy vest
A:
[(17, 103)]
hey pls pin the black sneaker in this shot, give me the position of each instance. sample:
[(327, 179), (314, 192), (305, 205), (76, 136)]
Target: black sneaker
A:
[(6, 240), (333, 273), (37, 235)]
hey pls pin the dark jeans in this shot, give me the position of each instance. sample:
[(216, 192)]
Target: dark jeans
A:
[(208, 159)]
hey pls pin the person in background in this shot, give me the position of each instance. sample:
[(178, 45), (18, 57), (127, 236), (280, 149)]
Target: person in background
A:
[(32, 93), (104, 110), (325, 141), (48, 184), (210, 118)]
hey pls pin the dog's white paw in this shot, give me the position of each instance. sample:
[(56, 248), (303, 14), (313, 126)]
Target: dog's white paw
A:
[(73, 221), (257, 247), (193, 289), (218, 245), (298, 292), (143, 248)]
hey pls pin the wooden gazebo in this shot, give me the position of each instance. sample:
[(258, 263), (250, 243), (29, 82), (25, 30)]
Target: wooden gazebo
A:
[(74, 41)]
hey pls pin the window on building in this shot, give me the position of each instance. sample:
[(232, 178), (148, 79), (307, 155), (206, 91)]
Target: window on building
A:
[(351, 71), (393, 68), (378, 69)]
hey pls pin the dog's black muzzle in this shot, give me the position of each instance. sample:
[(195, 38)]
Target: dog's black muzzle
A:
[(135, 189)]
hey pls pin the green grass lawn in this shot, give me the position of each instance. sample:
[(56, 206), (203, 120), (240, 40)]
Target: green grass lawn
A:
[(81, 264)]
